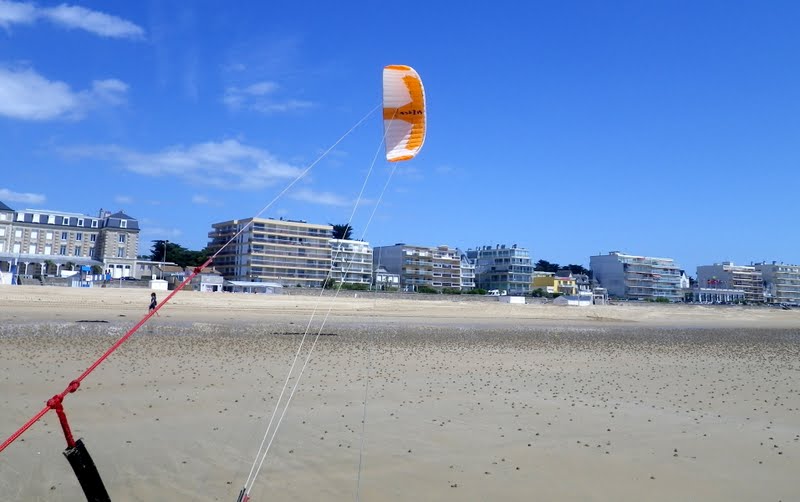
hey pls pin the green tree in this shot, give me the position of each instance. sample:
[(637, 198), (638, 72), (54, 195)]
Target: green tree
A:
[(546, 266), (578, 269), (166, 251), (343, 231)]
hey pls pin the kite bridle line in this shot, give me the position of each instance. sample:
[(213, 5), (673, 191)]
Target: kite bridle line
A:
[(55, 403), (244, 494)]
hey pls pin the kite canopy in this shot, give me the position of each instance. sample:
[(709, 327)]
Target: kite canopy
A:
[(403, 112)]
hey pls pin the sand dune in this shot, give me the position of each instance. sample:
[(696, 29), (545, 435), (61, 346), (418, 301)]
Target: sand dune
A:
[(467, 400)]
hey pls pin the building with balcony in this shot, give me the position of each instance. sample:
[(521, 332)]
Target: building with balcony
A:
[(287, 252), (781, 282), (726, 275), (467, 272), (434, 267), (37, 242), (351, 262), (637, 277), (502, 268)]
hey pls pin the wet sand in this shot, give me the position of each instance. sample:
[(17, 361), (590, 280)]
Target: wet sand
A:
[(467, 400)]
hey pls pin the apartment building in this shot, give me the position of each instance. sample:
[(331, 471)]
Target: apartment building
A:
[(44, 242), (467, 272), (288, 252), (435, 267), (637, 277), (781, 282), (351, 261), (502, 268), (727, 275)]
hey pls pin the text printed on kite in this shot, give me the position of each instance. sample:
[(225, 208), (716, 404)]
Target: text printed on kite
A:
[(404, 116)]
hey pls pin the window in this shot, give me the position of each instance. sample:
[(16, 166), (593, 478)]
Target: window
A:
[(2, 232), (91, 251), (77, 251), (120, 252), (48, 249), (51, 219), (18, 234), (94, 223), (64, 236), (2, 216), (123, 223), (93, 237), (48, 236), (62, 250), (17, 246), (32, 249), (79, 236), (20, 217), (80, 222), (122, 238), (2, 246), (64, 221), (35, 218), (34, 234)]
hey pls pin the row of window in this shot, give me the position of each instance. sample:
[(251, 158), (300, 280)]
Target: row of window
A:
[(63, 250), (34, 234)]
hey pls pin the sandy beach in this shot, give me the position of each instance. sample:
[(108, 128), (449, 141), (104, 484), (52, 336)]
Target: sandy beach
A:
[(467, 399)]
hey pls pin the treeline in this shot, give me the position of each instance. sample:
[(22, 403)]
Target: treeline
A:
[(166, 251), (546, 266)]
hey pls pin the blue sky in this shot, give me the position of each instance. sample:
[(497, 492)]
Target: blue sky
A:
[(569, 128)]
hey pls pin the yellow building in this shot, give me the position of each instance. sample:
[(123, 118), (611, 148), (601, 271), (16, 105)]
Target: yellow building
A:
[(550, 283)]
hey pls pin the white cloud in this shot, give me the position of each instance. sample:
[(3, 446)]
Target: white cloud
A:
[(200, 199), (70, 17), (16, 13), (27, 95), (227, 164), (7, 195), (161, 232), (123, 199), (323, 198), (260, 97), (111, 91)]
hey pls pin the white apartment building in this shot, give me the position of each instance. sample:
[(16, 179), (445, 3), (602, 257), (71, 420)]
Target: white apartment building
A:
[(502, 267), (288, 252), (435, 267), (351, 261), (727, 275), (781, 282), (637, 277)]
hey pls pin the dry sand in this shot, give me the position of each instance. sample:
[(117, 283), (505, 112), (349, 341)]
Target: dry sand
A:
[(467, 400)]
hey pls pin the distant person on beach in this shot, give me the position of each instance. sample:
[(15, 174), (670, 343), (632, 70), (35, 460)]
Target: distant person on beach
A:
[(153, 302)]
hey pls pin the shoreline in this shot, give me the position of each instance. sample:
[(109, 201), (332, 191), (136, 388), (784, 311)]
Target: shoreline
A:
[(74, 304)]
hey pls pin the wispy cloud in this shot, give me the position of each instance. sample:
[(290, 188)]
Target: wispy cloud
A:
[(160, 232), (123, 199), (322, 198), (7, 195), (16, 13), (227, 164), (261, 97), (70, 17), (27, 95)]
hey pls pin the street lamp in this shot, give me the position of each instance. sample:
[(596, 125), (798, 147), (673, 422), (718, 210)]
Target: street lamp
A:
[(164, 259)]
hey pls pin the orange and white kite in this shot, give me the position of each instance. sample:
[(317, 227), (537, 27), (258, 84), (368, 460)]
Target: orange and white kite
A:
[(403, 112)]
